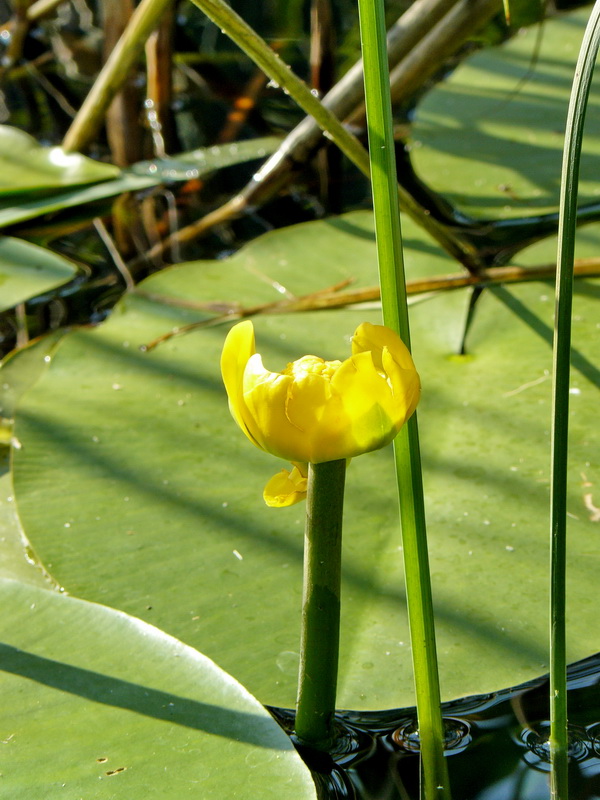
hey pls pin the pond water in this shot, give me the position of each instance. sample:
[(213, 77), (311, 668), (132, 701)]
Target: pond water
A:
[(496, 746)]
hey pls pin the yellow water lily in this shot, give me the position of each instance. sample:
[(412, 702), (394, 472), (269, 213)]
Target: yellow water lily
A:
[(316, 410)]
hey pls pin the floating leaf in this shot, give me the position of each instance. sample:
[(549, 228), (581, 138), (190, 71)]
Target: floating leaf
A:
[(154, 472), (140, 176), (490, 137), (103, 706), (27, 270), (25, 165)]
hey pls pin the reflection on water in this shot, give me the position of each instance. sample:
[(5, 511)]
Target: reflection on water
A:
[(496, 746)]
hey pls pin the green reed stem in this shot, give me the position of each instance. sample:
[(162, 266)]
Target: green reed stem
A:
[(319, 642), (114, 73), (434, 784), (560, 403), (263, 56)]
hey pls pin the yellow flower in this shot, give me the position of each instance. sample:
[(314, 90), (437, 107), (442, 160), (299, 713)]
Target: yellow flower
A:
[(287, 487), (316, 410)]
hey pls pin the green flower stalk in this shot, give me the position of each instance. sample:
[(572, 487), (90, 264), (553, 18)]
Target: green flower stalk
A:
[(319, 414)]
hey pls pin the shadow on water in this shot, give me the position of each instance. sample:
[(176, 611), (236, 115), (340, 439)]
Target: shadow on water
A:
[(496, 746)]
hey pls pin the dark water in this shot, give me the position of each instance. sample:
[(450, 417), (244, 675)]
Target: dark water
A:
[(496, 746)]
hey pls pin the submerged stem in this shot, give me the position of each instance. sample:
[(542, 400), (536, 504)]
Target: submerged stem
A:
[(319, 643)]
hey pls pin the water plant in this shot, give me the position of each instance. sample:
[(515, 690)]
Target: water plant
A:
[(130, 510)]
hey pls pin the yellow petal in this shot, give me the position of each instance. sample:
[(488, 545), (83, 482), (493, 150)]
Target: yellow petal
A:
[(375, 338), (287, 487), (316, 410), (405, 383), (372, 417), (266, 397), (238, 348)]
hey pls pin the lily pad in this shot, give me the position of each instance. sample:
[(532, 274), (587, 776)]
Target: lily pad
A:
[(103, 706), (140, 176), (154, 473), (490, 137), (26, 165), (27, 270)]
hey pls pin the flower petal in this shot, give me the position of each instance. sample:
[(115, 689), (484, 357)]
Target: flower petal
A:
[(238, 348), (287, 487), (371, 414), (266, 397), (316, 410), (374, 338), (405, 383)]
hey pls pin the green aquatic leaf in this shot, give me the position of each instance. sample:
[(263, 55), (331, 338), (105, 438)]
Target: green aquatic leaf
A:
[(144, 175), (19, 371), (25, 165), (17, 559), (27, 270), (152, 467), (490, 137), (100, 705)]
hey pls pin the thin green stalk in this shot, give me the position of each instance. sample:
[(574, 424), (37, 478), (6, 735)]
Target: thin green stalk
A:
[(319, 643), (560, 403), (434, 773), (114, 73)]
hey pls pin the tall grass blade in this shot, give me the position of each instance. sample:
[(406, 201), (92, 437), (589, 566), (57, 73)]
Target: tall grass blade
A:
[(560, 403)]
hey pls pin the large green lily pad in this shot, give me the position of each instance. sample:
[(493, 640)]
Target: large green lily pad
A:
[(99, 705), (138, 491)]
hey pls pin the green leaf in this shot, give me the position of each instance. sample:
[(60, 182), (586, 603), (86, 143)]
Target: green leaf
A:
[(159, 489), (25, 165), (100, 705), (22, 368), (140, 176), (19, 371), (490, 137), (27, 270), (17, 559)]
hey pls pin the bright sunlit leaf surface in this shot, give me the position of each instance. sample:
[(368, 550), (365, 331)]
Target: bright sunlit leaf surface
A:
[(26, 165), (103, 706), (72, 180), (490, 137), (137, 490)]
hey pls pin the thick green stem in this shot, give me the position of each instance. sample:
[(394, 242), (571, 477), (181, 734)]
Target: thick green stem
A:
[(434, 772), (319, 643)]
